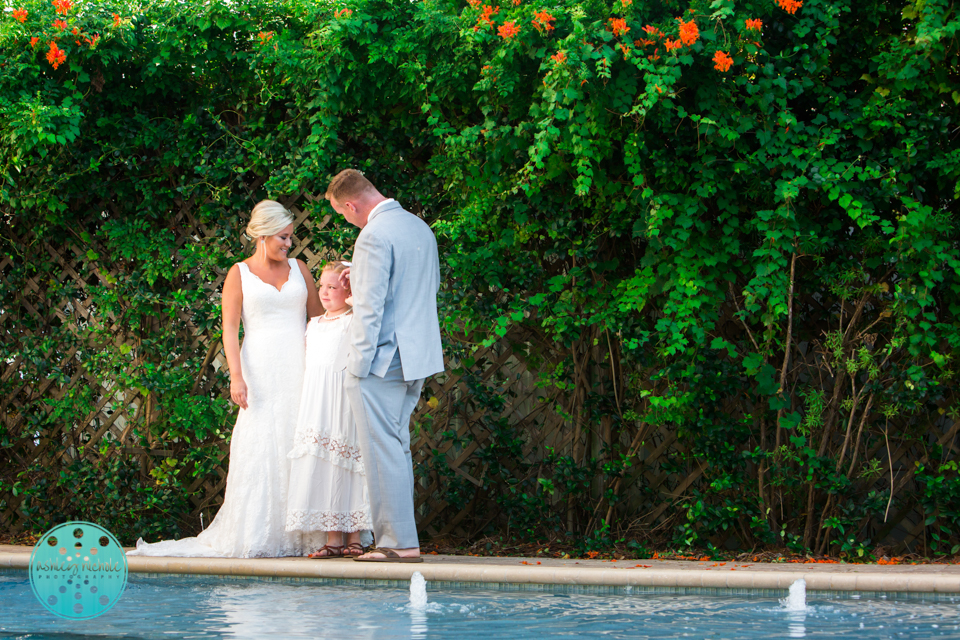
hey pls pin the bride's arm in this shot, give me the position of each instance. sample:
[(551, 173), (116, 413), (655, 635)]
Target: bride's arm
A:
[(314, 308), (231, 303)]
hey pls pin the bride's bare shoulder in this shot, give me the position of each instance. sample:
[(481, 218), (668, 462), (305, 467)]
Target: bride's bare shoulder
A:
[(233, 275), (304, 269), (235, 267)]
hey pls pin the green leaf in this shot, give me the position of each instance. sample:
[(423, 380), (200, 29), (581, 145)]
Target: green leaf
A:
[(752, 363)]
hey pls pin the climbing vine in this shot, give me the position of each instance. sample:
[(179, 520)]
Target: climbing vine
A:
[(728, 226)]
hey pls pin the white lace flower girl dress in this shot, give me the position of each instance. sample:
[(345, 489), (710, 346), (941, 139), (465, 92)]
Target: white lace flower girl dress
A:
[(328, 488)]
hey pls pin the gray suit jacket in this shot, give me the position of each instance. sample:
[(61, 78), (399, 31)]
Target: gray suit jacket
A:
[(394, 279)]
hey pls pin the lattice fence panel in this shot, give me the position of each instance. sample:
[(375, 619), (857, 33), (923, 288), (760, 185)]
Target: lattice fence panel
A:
[(448, 425)]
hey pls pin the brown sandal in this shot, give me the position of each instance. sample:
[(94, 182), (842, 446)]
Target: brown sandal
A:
[(331, 552), (348, 550), (389, 555)]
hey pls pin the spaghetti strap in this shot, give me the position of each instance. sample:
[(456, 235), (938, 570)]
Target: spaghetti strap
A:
[(294, 268)]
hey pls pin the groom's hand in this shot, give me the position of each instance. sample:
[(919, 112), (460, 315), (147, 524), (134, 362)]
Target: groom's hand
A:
[(345, 278)]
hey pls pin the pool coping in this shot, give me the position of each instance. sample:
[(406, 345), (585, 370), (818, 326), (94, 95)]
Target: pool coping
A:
[(587, 573)]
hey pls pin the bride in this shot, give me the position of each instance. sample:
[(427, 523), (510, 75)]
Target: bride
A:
[(273, 295)]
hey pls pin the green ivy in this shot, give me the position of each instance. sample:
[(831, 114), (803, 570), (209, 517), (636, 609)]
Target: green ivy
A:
[(760, 261)]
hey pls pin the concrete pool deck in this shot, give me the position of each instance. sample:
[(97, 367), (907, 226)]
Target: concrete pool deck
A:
[(919, 578)]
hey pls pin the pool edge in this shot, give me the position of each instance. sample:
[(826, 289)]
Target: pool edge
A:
[(442, 571)]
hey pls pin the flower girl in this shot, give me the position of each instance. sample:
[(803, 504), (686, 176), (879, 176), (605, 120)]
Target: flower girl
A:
[(328, 490)]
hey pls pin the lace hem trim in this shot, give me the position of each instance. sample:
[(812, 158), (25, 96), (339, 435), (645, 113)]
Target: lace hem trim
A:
[(346, 521), (338, 452)]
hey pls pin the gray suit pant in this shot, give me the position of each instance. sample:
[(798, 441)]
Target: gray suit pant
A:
[(382, 409)]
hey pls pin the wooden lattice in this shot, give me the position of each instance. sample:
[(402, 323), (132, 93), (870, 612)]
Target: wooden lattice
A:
[(653, 493)]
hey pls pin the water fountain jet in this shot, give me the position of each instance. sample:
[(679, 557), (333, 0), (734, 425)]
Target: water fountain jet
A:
[(797, 600), (418, 591)]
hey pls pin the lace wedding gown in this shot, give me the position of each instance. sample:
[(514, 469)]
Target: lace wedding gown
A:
[(328, 489), (250, 523)]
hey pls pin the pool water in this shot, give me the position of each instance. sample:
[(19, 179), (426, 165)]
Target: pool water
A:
[(212, 607)]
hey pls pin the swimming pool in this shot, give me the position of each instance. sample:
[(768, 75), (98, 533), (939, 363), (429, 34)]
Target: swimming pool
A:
[(229, 607)]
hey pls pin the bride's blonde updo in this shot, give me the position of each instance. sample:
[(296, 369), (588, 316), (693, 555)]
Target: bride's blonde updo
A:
[(267, 219)]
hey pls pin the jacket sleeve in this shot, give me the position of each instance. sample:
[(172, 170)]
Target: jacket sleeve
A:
[(369, 281)]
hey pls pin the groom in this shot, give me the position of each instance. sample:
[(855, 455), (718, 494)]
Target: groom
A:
[(394, 343)]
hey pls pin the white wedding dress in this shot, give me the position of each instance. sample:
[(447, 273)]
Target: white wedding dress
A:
[(328, 488), (251, 521)]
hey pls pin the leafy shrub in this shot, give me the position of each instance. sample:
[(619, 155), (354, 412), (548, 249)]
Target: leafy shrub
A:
[(727, 228)]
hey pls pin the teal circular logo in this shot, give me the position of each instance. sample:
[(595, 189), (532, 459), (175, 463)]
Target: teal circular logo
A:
[(78, 570)]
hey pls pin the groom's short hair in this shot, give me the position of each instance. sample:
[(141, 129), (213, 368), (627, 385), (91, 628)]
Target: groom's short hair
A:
[(347, 185)]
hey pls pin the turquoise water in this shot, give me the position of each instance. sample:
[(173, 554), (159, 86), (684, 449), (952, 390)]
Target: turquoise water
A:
[(212, 607)]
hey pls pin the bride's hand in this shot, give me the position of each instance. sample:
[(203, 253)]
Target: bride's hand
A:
[(238, 392), (345, 278)]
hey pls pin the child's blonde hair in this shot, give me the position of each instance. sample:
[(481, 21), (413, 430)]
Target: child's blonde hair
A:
[(337, 267)]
